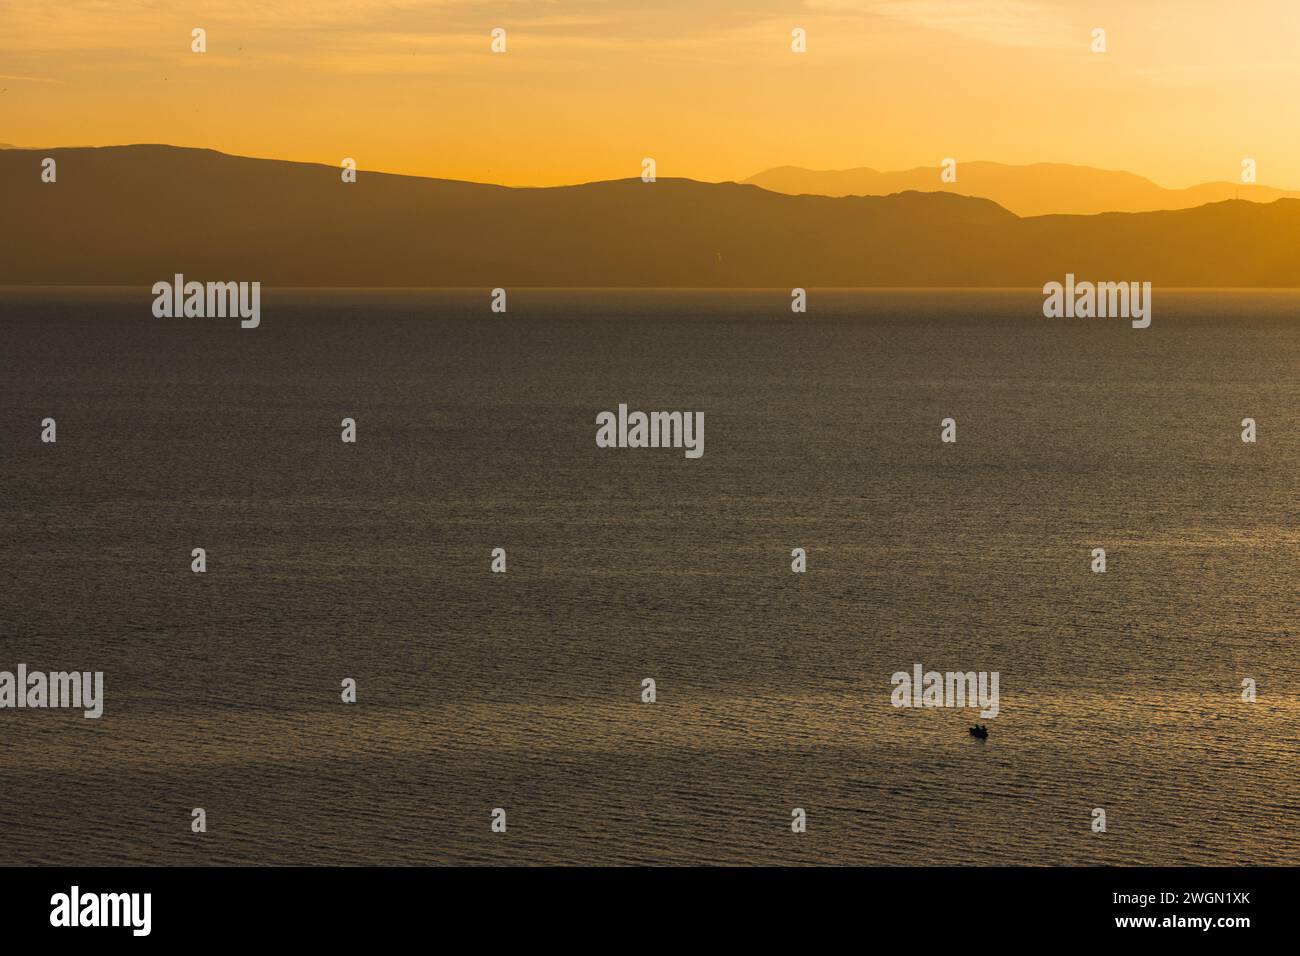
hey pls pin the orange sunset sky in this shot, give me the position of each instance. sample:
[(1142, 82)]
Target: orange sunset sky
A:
[(711, 90)]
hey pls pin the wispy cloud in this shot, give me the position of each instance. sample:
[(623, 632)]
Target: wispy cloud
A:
[(155, 27), (1005, 22), (336, 36)]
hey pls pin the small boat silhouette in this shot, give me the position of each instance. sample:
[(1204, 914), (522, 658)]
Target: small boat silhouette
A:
[(980, 731)]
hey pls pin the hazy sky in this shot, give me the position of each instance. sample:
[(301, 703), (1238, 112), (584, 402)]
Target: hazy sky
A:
[(709, 88)]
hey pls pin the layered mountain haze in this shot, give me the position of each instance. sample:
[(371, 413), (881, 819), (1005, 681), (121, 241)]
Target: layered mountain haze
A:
[(1040, 189), (134, 215)]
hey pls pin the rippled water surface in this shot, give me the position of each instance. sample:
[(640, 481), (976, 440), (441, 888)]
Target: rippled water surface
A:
[(522, 690)]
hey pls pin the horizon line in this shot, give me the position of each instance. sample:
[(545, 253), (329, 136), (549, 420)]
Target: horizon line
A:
[(1037, 290), (737, 181)]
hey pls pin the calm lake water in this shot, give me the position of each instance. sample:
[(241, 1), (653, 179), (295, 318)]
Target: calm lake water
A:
[(523, 690)]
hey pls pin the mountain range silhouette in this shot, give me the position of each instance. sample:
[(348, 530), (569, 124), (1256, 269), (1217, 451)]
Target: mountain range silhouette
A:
[(134, 215), (1040, 189)]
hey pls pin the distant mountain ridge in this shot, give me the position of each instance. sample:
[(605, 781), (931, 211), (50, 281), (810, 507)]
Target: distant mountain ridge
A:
[(134, 215), (1040, 189)]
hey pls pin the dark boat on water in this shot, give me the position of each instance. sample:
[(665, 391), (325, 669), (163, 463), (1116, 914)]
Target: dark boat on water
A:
[(980, 731)]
